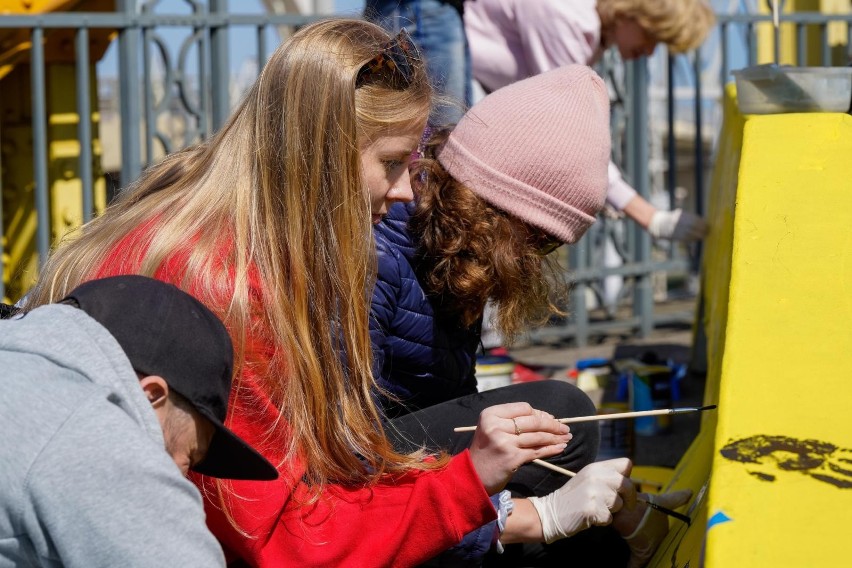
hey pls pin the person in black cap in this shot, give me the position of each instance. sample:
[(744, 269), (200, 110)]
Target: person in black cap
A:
[(93, 389)]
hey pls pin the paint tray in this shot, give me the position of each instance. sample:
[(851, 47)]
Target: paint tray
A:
[(770, 89)]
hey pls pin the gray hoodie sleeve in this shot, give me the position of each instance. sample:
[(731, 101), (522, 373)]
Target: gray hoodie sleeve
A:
[(134, 509)]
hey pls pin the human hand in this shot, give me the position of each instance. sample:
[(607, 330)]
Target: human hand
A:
[(677, 225), (644, 530), (510, 435), (590, 498)]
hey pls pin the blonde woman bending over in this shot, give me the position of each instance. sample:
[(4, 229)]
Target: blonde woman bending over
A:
[(511, 40), (269, 224)]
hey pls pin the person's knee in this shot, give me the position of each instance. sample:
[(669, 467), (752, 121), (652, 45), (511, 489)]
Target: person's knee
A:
[(562, 399)]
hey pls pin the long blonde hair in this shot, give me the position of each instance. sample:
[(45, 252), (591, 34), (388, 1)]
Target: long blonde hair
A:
[(680, 24), (276, 197)]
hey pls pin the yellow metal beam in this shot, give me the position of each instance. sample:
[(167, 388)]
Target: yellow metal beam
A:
[(63, 149)]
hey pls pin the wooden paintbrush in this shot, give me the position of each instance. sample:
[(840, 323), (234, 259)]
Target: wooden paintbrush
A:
[(616, 416)]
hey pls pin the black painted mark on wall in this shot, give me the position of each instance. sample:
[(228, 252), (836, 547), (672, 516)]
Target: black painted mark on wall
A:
[(763, 476), (821, 460)]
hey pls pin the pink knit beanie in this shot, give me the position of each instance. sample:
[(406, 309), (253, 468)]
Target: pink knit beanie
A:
[(538, 149)]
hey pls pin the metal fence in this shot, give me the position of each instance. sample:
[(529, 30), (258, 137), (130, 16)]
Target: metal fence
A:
[(639, 259), (154, 80)]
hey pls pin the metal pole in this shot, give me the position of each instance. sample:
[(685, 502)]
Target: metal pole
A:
[(671, 172), (699, 144), (219, 67), (2, 230), (643, 299), (752, 44), (723, 40), (148, 94), (578, 259), (261, 48), (39, 119), (699, 158), (128, 75), (84, 124)]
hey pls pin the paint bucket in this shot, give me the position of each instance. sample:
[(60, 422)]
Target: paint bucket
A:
[(651, 389), (617, 436), (494, 371)]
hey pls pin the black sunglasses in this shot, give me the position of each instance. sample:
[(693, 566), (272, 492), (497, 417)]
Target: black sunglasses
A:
[(543, 242), (549, 247), (396, 62)]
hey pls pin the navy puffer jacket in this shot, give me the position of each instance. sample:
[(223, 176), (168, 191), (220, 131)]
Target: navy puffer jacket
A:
[(421, 358)]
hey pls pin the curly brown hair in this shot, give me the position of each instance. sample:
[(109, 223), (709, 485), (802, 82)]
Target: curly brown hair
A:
[(470, 252)]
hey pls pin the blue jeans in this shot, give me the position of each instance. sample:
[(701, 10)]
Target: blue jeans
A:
[(438, 30)]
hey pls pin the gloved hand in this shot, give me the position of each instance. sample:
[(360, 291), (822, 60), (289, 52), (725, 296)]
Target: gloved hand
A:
[(644, 538), (677, 225), (589, 498)]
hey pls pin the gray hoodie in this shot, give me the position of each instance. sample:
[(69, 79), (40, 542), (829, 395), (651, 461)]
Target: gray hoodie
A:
[(84, 477)]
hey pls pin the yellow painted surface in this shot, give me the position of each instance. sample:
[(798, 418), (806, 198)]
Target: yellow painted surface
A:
[(716, 268), (784, 391), (655, 476), (63, 151), (683, 546), (837, 33), (15, 43), (777, 289)]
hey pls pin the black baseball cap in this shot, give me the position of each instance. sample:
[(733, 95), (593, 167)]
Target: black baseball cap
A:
[(166, 332)]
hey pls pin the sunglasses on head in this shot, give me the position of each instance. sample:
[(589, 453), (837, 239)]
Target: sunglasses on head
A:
[(543, 243), (548, 247), (395, 62)]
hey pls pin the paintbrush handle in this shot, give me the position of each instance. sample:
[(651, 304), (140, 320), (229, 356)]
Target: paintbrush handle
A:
[(618, 415), (570, 473), (614, 416), (555, 468)]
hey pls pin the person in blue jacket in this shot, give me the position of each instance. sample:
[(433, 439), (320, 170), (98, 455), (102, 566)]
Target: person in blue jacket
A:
[(523, 172), (437, 27)]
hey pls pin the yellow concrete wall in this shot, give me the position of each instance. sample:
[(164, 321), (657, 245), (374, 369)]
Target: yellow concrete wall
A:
[(684, 546), (782, 466), (777, 288)]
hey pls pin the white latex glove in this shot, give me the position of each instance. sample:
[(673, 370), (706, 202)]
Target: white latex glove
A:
[(589, 498), (677, 225)]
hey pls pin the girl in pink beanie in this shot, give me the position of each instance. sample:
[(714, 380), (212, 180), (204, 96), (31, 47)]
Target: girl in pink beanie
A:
[(515, 39), (523, 172)]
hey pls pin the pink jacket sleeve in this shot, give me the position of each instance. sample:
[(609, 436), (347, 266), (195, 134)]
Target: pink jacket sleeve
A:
[(619, 192), (511, 40)]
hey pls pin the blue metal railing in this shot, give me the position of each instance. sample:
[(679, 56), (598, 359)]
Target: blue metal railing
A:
[(138, 42)]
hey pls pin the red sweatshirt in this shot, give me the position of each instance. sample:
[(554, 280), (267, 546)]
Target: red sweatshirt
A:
[(400, 521)]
